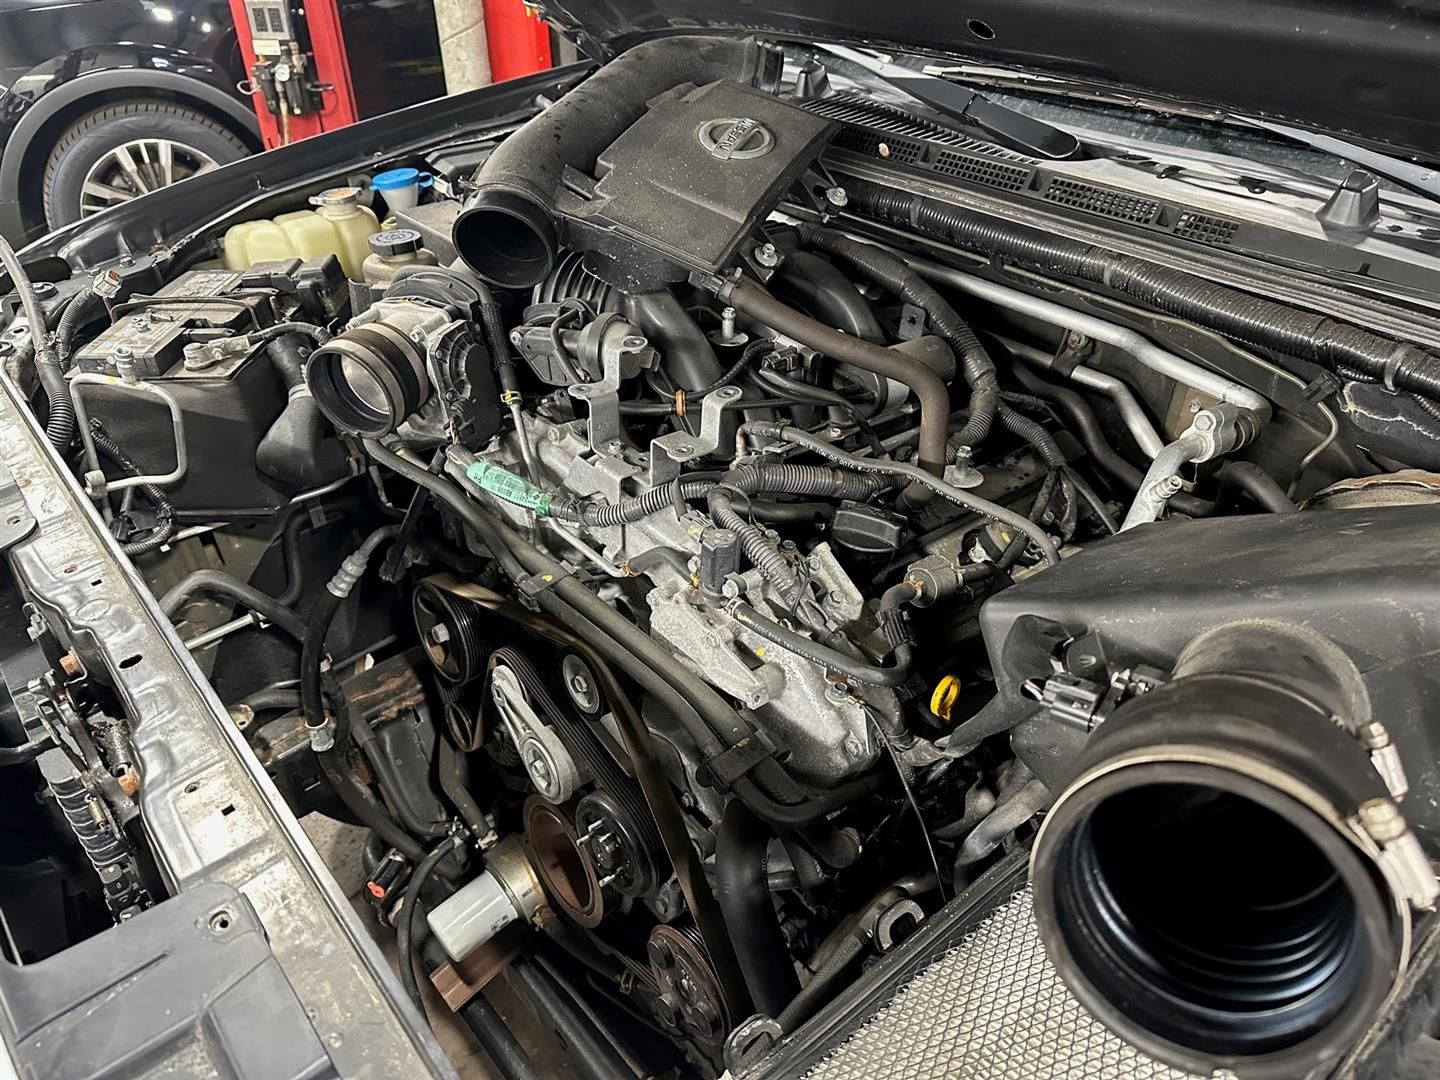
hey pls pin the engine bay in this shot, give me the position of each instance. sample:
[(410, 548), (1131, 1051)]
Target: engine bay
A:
[(705, 538)]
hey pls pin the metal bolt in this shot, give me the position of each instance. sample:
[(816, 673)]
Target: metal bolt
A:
[(439, 633), (70, 665), (767, 255), (1382, 820), (127, 260), (614, 446), (1373, 735), (1204, 421), (516, 337), (682, 448), (580, 684), (659, 953), (539, 771), (633, 341), (140, 322), (1194, 407), (883, 150), (837, 196), (852, 746), (94, 481)]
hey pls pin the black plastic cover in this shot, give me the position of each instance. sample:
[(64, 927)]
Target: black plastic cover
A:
[(188, 988), (688, 182), (1364, 578)]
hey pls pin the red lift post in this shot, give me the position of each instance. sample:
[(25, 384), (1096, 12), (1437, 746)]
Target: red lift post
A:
[(518, 41), (300, 77)]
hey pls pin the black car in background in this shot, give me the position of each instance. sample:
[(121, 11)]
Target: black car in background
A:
[(102, 100)]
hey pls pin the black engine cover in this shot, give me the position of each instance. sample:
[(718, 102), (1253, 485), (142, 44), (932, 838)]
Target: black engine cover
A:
[(687, 182)]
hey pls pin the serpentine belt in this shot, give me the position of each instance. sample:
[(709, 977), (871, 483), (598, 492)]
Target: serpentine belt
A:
[(640, 746)]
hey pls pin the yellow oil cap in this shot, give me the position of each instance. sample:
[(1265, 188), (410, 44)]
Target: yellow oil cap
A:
[(943, 699)]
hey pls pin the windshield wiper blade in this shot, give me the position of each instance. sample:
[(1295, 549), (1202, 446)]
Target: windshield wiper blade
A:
[(1011, 129), (1421, 179)]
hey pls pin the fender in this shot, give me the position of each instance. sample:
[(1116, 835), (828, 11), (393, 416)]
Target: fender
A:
[(140, 69)]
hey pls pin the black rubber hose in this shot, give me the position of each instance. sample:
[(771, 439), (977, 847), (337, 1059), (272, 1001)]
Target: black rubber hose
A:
[(686, 353), (318, 334), (588, 1052), (164, 528), (60, 423), (773, 479), (508, 232), (216, 581), (1250, 320), (823, 291), (894, 275), (1258, 484), (84, 309), (60, 413), (299, 449), (391, 784), (1013, 550), (929, 388), (312, 657), (819, 395), (1034, 433), (290, 555), (361, 803), (741, 887), (450, 767), (846, 951), (1087, 426), (273, 698), (824, 655), (405, 927)]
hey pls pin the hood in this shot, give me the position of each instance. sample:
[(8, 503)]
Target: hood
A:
[(1360, 69)]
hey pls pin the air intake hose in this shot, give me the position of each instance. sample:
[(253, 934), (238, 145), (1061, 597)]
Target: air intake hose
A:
[(299, 450), (1250, 320), (1210, 883), (507, 232)]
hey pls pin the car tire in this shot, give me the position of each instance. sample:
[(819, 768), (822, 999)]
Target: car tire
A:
[(98, 147)]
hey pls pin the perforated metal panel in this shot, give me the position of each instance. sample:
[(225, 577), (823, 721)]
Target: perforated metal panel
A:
[(992, 1008)]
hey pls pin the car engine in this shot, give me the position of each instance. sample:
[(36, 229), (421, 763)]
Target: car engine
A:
[(702, 545)]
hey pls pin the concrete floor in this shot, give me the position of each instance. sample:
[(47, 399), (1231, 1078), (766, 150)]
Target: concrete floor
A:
[(340, 845)]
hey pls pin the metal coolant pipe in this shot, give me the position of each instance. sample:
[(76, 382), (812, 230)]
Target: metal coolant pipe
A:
[(1227, 881)]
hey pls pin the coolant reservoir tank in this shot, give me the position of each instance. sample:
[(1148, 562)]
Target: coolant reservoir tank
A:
[(339, 226)]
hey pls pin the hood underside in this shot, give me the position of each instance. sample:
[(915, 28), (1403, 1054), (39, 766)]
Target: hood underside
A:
[(1361, 69)]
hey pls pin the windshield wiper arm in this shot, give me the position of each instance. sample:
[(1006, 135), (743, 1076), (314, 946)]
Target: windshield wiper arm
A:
[(1006, 126), (1421, 179)]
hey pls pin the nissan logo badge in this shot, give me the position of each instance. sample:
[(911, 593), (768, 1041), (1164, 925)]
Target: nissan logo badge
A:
[(735, 138)]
